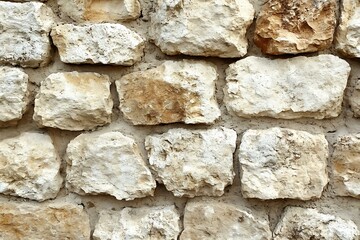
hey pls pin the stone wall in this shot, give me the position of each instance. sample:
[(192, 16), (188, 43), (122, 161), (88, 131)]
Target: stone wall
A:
[(180, 119)]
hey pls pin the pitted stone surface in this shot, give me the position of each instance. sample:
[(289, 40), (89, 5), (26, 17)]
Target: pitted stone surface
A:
[(24, 33), (175, 91), (108, 163), (101, 43), (74, 101), (193, 163), (283, 163), (286, 88), (29, 167), (145, 223), (292, 27), (202, 28)]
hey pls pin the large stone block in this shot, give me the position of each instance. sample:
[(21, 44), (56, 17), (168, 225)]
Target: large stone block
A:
[(74, 101), (175, 91), (24, 33), (291, 27), (283, 163), (286, 88), (193, 163), (101, 43), (108, 163), (29, 167), (202, 28)]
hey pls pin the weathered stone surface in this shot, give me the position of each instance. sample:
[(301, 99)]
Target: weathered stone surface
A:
[(100, 11), (346, 166), (306, 223), (24, 33), (354, 98), (29, 167), (175, 91), (74, 101), (286, 88), (14, 94), (108, 163), (52, 221), (291, 27), (218, 220), (347, 38), (219, 29), (283, 163), (145, 223), (103, 43), (193, 163)]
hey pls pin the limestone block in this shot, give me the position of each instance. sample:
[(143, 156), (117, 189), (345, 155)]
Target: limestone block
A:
[(283, 163), (74, 101), (193, 163), (100, 10), (347, 38), (108, 163), (14, 94), (202, 28), (24, 33), (346, 166), (290, 88), (100, 43), (52, 221), (354, 98), (175, 91), (146, 223), (29, 167), (292, 27), (219, 220), (306, 223)]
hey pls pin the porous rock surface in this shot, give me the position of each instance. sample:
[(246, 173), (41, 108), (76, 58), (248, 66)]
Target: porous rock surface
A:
[(347, 38), (175, 91), (286, 88), (211, 219), (14, 94), (346, 166), (24, 33), (29, 167), (306, 223), (100, 10), (105, 43), (193, 163), (292, 27), (108, 163), (51, 221), (283, 163), (202, 28), (74, 101), (147, 223)]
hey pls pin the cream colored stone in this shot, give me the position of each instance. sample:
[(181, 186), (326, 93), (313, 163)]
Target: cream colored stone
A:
[(101, 43), (100, 10), (347, 38), (193, 163), (306, 223), (24, 33), (346, 166), (202, 28), (53, 221), (212, 219), (283, 163), (14, 94), (146, 223), (286, 88), (175, 91), (292, 27), (74, 101), (108, 163), (29, 167)]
